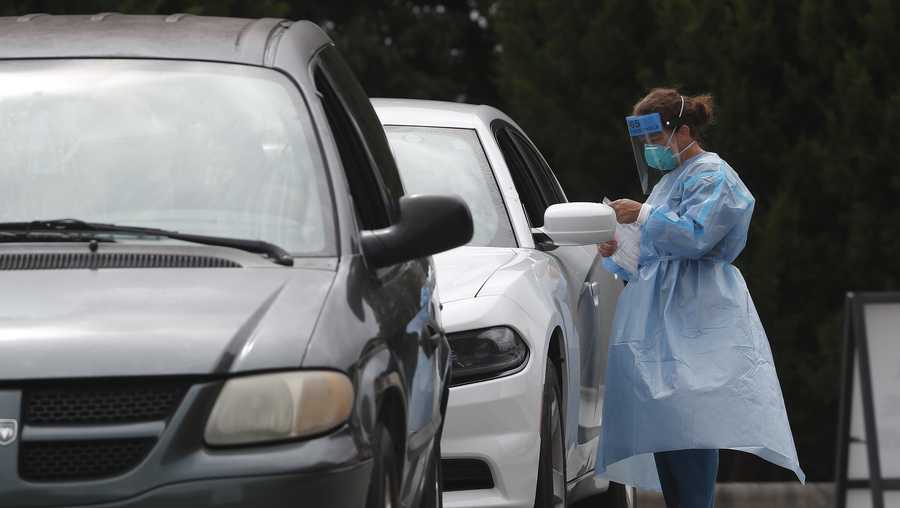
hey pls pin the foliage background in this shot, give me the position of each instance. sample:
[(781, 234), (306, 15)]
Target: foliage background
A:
[(808, 113)]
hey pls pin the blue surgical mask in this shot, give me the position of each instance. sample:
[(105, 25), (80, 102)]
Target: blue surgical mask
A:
[(661, 157)]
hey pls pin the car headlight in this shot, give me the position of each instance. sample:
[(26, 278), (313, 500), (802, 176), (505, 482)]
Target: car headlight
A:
[(484, 354), (275, 407)]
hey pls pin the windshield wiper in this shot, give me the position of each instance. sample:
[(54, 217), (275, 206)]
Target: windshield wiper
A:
[(270, 250)]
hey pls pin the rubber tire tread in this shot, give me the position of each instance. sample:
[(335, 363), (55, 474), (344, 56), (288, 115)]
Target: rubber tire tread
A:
[(544, 496), (385, 463)]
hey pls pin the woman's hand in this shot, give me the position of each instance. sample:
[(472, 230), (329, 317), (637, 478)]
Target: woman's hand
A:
[(607, 249), (626, 210)]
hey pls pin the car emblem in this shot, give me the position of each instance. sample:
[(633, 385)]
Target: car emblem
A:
[(8, 431)]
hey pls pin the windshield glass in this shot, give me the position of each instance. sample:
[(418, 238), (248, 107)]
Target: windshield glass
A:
[(436, 160), (202, 148)]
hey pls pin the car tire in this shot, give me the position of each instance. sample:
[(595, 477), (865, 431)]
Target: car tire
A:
[(618, 496), (433, 490), (551, 482), (433, 496), (384, 487)]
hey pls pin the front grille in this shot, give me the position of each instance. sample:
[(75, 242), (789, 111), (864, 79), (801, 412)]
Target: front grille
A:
[(99, 404), (51, 461), (466, 474), (65, 409), (97, 261)]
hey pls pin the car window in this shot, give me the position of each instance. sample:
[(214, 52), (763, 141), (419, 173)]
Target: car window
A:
[(198, 147), (362, 114), (369, 196), (549, 186), (436, 160), (527, 188)]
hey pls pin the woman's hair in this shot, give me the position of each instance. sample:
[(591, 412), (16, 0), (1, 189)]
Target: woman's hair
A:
[(698, 110)]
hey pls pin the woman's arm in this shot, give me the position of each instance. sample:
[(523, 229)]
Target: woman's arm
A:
[(709, 209)]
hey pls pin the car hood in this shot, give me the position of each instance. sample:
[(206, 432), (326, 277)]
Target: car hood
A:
[(462, 272), (111, 322)]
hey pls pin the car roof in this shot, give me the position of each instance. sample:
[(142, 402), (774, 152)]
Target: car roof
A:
[(437, 113), (179, 36)]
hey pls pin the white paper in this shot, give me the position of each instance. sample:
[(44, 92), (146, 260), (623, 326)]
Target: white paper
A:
[(628, 237)]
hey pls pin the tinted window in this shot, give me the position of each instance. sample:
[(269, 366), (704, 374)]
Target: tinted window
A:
[(452, 161), (360, 109), (526, 186), (550, 189), (369, 196), (204, 148)]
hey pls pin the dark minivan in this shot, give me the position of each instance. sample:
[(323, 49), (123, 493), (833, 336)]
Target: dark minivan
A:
[(213, 291)]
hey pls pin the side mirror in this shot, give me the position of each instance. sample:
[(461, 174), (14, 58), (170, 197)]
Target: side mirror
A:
[(428, 224), (579, 223)]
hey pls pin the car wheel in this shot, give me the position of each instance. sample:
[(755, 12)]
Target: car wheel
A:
[(434, 482), (618, 496), (384, 486), (551, 483)]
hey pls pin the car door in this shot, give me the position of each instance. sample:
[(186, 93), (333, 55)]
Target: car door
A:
[(400, 296), (591, 301)]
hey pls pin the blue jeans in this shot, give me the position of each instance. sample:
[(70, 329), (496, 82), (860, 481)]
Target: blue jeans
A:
[(688, 477)]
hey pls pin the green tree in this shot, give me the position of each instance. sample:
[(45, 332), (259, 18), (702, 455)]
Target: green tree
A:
[(808, 110), (420, 49)]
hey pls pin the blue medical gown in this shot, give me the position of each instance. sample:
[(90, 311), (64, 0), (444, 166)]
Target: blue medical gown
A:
[(689, 362)]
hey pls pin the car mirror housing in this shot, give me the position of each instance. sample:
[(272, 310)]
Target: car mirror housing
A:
[(579, 223), (428, 224)]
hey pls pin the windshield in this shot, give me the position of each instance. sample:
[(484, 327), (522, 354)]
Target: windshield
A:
[(435, 160), (201, 148)]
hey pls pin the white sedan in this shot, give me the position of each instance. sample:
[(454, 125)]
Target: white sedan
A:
[(527, 307)]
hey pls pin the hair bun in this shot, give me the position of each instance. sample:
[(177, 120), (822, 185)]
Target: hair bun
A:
[(697, 113), (701, 109)]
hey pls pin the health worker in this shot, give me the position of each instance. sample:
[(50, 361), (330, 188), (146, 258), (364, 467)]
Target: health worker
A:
[(690, 370)]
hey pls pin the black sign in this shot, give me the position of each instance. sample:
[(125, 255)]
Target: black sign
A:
[(868, 451)]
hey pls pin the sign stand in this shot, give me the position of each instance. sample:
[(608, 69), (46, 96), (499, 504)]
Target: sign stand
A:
[(857, 355)]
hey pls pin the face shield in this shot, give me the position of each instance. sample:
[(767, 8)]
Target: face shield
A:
[(652, 146), (648, 141)]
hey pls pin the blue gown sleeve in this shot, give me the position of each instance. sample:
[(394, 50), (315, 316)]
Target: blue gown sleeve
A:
[(613, 268), (710, 208)]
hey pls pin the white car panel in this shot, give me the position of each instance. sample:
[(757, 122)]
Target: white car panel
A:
[(534, 292), (463, 270), (509, 445)]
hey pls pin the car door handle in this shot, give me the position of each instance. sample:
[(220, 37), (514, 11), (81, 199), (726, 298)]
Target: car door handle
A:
[(592, 289)]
